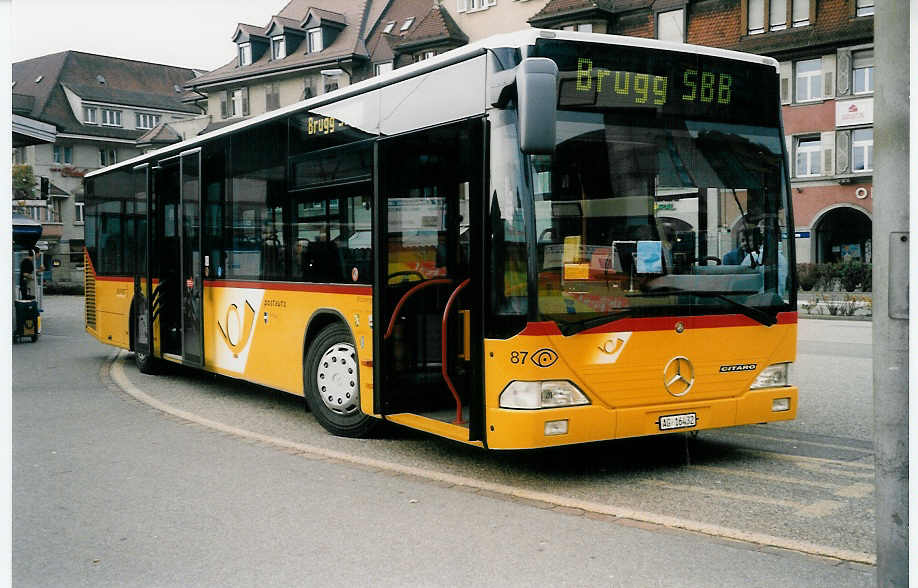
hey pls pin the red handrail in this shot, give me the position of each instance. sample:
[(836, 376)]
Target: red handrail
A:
[(443, 350), (407, 295)]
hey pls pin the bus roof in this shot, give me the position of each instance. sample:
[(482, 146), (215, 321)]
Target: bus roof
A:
[(516, 39)]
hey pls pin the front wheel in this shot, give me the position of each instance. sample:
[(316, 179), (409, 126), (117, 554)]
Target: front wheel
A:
[(146, 363), (332, 383)]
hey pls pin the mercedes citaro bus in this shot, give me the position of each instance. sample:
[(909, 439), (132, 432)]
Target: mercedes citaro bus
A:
[(538, 239)]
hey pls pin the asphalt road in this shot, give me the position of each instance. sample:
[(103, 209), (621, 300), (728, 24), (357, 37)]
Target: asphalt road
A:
[(243, 487)]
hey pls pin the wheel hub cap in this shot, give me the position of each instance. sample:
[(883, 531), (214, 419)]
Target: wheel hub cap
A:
[(336, 379)]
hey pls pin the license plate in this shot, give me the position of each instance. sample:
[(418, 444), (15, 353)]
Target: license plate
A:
[(677, 421)]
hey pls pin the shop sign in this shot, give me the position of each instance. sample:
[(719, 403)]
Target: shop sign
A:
[(854, 112)]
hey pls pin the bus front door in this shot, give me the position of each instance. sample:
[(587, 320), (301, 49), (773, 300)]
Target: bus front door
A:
[(427, 282)]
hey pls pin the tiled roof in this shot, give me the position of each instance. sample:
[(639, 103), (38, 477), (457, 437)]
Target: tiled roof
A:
[(348, 44), (437, 25), (379, 44), (137, 83), (560, 7), (161, 134), (325, 15), (99, 93)]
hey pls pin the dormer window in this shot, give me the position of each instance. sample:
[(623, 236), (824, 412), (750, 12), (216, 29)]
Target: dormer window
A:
[(315, 40), (89, 115), (278, 47), (407, 24), (245, 54)]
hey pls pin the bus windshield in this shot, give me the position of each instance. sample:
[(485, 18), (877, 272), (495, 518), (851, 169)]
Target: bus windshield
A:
[(653, 204)]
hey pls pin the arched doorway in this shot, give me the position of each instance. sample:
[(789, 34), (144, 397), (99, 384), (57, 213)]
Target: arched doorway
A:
[(843, 234)]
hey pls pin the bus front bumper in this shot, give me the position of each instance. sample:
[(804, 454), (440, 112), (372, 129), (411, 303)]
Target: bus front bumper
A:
[(529, 429)]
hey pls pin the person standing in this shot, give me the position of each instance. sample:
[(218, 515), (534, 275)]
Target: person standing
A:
[(27, 276)]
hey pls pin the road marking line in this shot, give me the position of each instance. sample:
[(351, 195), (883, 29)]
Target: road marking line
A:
[(802, 442), (812, 461), (769, 477), (120, 378), (819, 508)]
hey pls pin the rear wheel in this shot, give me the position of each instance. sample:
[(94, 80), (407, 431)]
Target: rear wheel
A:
[(332, 382)]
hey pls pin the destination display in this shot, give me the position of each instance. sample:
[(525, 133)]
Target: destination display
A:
[(605, 77)]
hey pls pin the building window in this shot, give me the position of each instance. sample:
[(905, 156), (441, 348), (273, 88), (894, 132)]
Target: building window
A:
[(471, 5), (239, 101), (384, 67), (862, 150), (864, 7), (315, 40), (107, 157), (671, 26), (278, 47), (407, 24), (331, 84), (426, 55), (801, 13), (89, 115), (111, 118), (584, 27), (19, 155), (862, 65), (245, 54), (808, 153), (756, 20), (272, 97), (63, 154), (146, 121), (808, 80), (78, 217), (777, 15), (389, 26)]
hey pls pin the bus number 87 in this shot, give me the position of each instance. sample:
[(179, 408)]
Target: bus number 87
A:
[(706, 86)]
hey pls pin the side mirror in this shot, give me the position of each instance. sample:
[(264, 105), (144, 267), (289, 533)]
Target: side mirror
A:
[(537, 104)]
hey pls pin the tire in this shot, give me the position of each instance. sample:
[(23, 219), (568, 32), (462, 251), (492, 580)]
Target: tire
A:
[(332, 383), (146, 363), (34, 338)]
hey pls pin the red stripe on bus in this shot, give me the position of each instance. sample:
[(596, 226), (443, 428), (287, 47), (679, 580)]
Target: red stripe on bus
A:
[(662, 324), (114, 278), (321, 288), (545, 328), (690, 322)]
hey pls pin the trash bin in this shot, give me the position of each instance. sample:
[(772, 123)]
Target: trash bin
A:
[(27, 320)]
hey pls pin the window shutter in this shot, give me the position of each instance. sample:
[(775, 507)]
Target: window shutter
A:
[(245, 102), (827, 140), (791, 155), (223, 111), (786, 69), (828, 75)]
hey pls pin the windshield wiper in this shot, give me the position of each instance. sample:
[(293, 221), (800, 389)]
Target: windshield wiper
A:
[(568, 329), (756, 314)]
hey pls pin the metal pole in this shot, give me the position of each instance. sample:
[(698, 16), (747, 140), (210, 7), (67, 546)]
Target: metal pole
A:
[(890, 289)]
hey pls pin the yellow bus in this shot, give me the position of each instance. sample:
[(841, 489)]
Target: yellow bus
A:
[(542, 238)]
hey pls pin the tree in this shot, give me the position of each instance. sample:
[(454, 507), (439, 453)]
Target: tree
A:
[(23, 181)]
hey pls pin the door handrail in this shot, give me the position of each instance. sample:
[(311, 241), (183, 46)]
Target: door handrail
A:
[(444, 353), (414, 289)]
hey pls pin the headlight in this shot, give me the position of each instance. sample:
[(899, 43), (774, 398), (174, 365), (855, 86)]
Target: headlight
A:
[(773, 376), (545, 394)]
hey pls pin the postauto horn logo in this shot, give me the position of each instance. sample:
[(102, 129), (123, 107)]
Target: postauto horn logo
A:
[(237, 330)]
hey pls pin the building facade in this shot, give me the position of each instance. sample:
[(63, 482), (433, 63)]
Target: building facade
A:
[(825, 51), (99, 106)]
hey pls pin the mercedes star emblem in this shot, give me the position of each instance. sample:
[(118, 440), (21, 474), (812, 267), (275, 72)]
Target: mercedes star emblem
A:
[(678, 376)]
